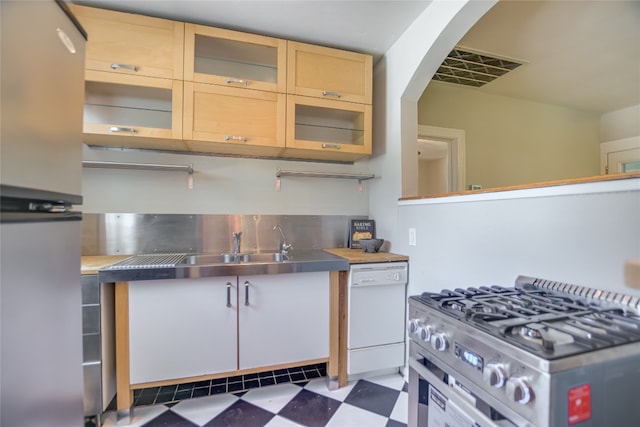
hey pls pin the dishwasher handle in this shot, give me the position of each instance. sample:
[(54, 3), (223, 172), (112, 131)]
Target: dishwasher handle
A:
[(378, 278)]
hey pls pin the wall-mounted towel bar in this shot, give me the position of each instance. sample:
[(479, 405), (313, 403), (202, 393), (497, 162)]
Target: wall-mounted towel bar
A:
[(142, 166)]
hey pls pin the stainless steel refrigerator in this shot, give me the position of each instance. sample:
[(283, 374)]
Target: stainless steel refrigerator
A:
[(42, 90)]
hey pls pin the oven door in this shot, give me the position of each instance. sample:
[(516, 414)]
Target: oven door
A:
[(435, 403)]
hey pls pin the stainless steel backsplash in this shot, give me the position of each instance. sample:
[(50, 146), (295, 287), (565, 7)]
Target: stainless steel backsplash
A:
[(127, 233)]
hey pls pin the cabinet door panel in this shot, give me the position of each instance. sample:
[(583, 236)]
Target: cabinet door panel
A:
[(328, 73), (182, 328), (153, 46), (286, 319), (231, 116)]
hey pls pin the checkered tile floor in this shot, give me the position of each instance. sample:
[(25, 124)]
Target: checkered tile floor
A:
[(380, 401)]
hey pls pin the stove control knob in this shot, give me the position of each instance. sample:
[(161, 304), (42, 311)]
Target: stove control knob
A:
[(519, 390), (439, 341), (414, 326), (426, 333), (494, 375)]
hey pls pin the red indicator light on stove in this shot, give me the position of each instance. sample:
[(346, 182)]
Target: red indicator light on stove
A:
[(579, 403)]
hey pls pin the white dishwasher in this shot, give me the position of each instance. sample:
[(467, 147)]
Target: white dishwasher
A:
[(376, 318)]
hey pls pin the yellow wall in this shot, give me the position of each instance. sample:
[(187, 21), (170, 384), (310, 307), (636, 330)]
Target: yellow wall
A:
[(511, 141)]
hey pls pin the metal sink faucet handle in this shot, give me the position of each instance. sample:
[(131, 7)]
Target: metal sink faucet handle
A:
[(285, 247), (236, 241)]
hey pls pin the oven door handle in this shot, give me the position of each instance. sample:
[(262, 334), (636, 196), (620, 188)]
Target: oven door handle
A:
[(454, 395)]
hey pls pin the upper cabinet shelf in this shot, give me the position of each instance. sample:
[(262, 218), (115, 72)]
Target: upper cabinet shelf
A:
[(132, 44)]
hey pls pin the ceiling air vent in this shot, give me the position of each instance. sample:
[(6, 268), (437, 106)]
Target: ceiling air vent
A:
[(473, 69)]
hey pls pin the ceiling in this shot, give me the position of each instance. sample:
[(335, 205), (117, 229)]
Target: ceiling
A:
[(580, 54), (361, 25)]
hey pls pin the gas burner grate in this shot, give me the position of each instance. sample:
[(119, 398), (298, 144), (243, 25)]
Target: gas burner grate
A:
[(542, 320)]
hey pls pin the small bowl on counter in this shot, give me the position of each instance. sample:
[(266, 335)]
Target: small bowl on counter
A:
[(371, 245)]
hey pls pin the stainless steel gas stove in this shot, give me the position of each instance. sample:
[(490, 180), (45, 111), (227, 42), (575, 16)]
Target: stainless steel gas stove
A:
[(540, 353)]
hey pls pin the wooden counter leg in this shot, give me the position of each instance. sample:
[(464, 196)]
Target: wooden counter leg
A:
[(337, 368), (342, 342), (334, 331), (124, 399)]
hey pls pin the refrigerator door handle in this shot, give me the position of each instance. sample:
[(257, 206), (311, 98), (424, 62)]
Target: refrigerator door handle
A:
[(49, 207)]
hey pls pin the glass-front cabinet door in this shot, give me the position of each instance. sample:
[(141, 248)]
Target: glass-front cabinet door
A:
[(342, 130), (132, 111), (234, 59)]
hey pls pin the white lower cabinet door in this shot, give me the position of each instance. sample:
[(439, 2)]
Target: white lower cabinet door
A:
[(283, 318), (182, 328)]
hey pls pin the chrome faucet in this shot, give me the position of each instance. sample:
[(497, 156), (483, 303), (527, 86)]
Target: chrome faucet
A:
[(236, 242), (285, 247)]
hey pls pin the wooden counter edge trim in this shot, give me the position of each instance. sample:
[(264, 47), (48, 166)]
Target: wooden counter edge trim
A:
[(124, 399), (356, 256), (558, 182)]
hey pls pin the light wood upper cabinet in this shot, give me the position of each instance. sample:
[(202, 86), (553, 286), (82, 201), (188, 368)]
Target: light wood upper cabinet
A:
[(132, 111), (233, 120), (154, 83), (132, 44), (234, 59), (328, 73)]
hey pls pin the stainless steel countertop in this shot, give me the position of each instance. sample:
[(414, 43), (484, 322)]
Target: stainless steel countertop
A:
[(297, 262)]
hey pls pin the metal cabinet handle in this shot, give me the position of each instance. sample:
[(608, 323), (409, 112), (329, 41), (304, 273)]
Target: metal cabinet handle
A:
[(242, 82), (228, 294), (329, 93), (124, 67), (121, 129), (246, 292), (336, 146), (235, 138)]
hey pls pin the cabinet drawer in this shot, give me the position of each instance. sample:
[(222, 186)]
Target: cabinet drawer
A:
[(92, 396), (91, 348), (237, 118), (235, 59), (90, 289), (328, 73), (125, 43), (91, 319)]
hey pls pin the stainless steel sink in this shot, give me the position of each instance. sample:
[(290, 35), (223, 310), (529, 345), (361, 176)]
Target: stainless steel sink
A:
[(198, 265), (204, 259), (208, 259), (268, 257)]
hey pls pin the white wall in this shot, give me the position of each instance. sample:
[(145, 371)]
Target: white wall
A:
[(620, 124), (245, 186), (222, 185), (400, 78), (580, 234), (512, 141)]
